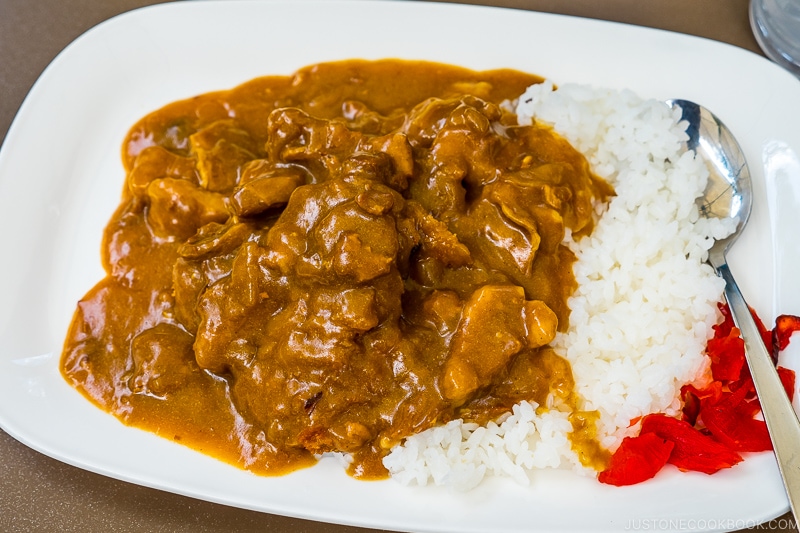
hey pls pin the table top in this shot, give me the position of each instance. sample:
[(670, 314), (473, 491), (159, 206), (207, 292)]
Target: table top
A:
[(38, 493)]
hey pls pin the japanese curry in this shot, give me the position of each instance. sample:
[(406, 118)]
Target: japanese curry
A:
[(332, 261)]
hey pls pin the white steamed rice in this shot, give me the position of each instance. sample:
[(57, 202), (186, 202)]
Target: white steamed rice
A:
[(644, 307)]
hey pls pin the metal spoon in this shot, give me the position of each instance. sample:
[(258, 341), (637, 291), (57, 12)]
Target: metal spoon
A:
[(729, 194)]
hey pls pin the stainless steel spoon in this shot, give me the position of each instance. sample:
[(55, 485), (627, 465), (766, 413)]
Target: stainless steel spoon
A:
[(729, 194)]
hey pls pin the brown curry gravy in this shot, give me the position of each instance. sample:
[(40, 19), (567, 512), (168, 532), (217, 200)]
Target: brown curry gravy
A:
[(332, 261)]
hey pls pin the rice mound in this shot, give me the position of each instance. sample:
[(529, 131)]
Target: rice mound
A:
[(645, 303)]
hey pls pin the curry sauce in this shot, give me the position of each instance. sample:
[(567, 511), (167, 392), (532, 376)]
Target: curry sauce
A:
[(332, 261)]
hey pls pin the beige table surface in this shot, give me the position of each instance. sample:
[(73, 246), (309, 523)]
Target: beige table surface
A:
[(40, 494)]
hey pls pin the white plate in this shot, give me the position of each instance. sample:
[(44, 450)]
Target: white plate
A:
[(61, 176)]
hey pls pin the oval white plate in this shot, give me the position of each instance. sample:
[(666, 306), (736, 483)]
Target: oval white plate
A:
[(61, 176)]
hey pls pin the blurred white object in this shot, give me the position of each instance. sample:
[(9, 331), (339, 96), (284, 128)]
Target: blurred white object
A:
[(782, 177), (776, 26)]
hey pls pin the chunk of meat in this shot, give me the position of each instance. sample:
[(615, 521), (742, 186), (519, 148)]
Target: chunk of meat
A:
[(541, 323), (271, 188), (503, 244), (177, 208), (188, 282), (331, 229), (496, 324), (437, 240), (156, 162), (162, 357), (297, 137), (398, 150), (215, 239), (355, 259), (443, 309), (222, 149)]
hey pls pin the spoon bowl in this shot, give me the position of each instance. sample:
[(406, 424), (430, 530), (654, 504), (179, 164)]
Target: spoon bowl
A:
[(729, 194)]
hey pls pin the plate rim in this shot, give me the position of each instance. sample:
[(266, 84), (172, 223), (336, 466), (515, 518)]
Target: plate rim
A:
[(65, 56)]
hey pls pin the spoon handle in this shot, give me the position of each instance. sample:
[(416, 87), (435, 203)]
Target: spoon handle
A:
[(781, 419)]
